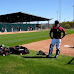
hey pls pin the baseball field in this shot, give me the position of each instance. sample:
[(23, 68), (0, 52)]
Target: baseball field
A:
[(17, 64)]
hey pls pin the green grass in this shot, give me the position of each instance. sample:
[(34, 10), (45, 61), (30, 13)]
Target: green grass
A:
[(24, 38), (69, 31), (15, 64)]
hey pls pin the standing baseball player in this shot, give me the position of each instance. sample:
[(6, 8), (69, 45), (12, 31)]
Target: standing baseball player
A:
[(56, 38)]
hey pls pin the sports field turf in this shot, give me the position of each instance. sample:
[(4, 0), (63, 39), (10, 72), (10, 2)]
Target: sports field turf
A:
[(15, 64), (24, 38)]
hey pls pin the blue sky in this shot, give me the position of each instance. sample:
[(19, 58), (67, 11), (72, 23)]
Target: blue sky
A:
[(44, 8)]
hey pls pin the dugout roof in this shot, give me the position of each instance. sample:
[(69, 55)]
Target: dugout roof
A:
[(20, 17)]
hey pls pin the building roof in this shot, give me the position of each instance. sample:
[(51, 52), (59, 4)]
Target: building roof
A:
[(20, 17)]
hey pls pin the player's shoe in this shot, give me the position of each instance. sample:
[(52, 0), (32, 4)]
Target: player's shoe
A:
[(47, 56), (56, 56)]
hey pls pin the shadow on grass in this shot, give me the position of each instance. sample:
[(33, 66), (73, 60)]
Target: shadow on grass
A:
[(36, 57), (70, 61)]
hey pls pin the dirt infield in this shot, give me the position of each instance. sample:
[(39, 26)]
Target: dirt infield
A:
[(1, 33), (67, 45)]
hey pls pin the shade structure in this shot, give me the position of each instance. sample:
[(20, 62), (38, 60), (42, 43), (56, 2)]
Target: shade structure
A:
[(21, 17)]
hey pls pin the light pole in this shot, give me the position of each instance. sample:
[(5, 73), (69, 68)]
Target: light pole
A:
[(59, 10), (73, 12), (57, 15)]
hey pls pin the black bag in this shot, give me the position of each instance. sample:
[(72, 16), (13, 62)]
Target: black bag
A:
[(19, 49)]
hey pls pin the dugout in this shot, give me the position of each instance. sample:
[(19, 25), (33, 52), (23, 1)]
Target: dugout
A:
[(23, 27), (18, 19)]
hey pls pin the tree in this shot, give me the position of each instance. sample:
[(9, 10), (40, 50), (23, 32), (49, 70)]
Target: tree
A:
[(67, 26)]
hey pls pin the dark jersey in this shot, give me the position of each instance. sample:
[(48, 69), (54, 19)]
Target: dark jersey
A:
[(57, 32)]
